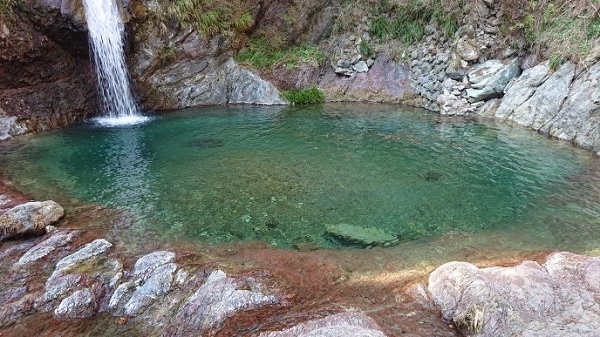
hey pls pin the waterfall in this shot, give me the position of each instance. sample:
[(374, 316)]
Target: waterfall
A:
[(106, 43)]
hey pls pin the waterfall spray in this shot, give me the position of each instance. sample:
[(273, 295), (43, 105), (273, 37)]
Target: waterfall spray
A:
[(106, 42)]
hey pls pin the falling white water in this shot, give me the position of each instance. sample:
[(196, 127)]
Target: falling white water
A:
[(106, 42)]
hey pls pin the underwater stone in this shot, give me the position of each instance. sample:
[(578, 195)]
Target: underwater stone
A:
[(363, 236)]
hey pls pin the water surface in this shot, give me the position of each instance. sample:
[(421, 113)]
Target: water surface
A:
[(282, 174)]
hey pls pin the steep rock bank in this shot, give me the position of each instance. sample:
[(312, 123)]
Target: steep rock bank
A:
[(45, 76), (559, 297), (175, 67)]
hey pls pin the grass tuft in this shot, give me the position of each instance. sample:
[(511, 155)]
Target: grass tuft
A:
[(7, 10), (209, 17), (310, 96), (260, 55)]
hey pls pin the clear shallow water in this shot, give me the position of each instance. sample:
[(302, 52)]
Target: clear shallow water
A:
[(281, 175)]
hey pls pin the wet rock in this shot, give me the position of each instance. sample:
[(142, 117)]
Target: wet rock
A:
[(94, 248), (80, 304), (559, 296), (207, 143), (146, 264), (30, 218), (56, 287), (347, 324), (45, 76), (489, 79), (216, 300), (363, 236), (45, 247), (9, 127), (158, 283), (305, 246)]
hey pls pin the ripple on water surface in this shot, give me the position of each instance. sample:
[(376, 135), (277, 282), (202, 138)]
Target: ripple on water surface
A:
[(283, 174)]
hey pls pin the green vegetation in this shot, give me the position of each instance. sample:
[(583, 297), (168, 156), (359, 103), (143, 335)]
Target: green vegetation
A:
[(406, 20), (167, 54), (260, 54), (555, 29), (365, 49), (556, 60), (312, 95), (209, 17), (7, 9)]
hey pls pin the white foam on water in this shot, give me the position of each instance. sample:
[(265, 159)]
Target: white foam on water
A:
[(121, 121)]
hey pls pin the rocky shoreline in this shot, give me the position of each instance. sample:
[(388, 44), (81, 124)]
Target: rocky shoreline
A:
[(72, 281)]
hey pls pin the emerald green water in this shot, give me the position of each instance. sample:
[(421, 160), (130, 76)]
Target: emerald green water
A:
[(281, 174)]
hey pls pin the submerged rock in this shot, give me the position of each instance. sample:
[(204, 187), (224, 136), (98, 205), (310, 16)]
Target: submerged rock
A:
[(347, 324), (206, 143), (558, 297), (363, 236), (30, 218)]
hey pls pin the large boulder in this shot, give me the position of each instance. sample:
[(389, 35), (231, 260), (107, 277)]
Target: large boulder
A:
[(489, 79), (579, 119), (561, 103), (30, 218), (556, 298), (544, 104)]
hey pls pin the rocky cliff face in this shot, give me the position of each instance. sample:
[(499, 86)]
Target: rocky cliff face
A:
[(175, 67), (45, 76)]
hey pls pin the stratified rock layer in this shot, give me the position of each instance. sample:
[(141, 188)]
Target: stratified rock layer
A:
[(560, 297)]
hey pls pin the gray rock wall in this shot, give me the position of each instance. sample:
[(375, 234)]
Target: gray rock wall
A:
[(180, 69), (564, 103)]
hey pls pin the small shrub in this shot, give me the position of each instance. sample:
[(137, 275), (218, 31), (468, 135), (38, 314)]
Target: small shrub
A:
[(365, 49), (406, 20), (312, 95)]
